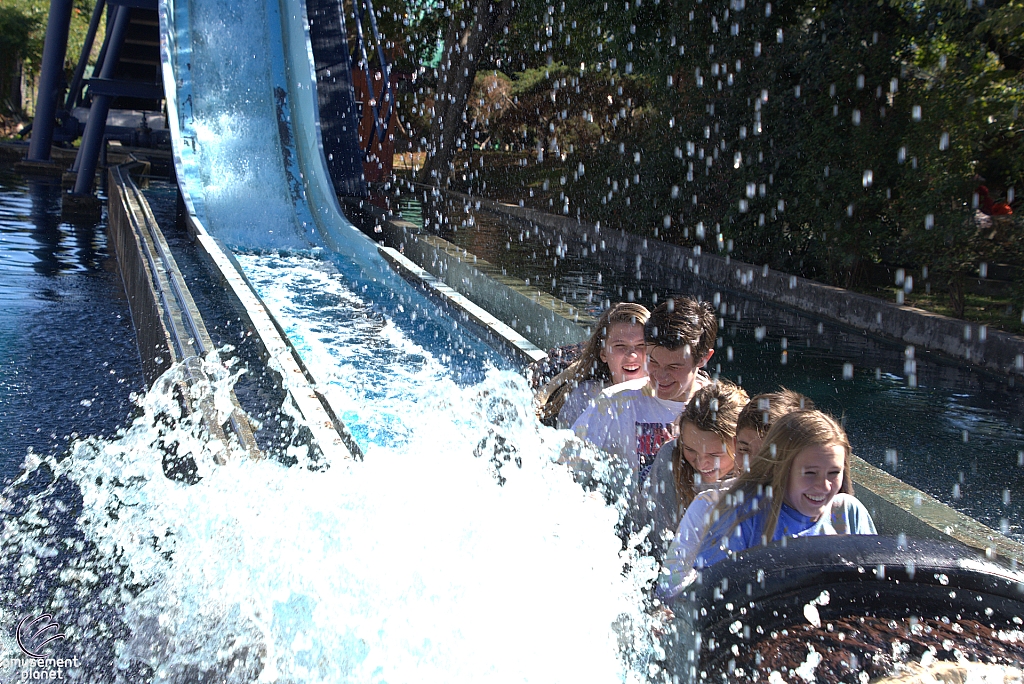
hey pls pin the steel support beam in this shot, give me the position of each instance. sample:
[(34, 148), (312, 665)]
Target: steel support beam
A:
[(75, 91), (50, 73), (92, 139)]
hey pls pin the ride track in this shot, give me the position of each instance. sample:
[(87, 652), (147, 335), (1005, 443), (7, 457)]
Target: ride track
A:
[(240, 86)]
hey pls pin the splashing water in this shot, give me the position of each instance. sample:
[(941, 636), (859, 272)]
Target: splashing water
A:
[(377, 370), (414, 565)]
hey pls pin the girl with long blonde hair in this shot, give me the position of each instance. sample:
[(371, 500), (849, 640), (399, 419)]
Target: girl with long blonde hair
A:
[(614, 353), (798, 484)]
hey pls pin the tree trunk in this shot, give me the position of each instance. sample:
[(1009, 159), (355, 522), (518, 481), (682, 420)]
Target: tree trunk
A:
[(468, 34), (956, 294)]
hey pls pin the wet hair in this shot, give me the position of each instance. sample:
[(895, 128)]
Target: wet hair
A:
[(589, 366), (713, 408), (770, 468), (765, 409), (683, 321)]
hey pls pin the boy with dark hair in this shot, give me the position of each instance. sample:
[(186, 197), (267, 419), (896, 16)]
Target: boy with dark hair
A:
[(633, 419)]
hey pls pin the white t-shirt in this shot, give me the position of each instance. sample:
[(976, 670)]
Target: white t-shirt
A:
[(577, 401), (628, 420)]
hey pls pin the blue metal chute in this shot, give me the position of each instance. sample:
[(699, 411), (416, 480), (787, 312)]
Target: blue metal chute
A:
[(240, 84), (239, 80)]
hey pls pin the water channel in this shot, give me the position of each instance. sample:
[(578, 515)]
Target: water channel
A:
[(413, 565)]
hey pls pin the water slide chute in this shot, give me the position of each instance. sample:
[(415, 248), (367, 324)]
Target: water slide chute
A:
[(242, 107)]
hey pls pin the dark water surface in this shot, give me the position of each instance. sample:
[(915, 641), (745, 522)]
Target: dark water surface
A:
[(68, 358), (945, 428)]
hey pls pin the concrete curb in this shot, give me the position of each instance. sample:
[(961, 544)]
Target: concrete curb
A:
[(523, 349), (544, 320), (966, 342), (896, 507)]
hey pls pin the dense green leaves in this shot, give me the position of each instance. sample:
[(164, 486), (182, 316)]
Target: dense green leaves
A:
[(22, 28), (820, 138)]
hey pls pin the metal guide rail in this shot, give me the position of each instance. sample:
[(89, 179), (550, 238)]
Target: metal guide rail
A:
[(168, 324)]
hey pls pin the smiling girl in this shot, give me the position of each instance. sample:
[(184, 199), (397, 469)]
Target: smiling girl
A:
[(798, 485), (701, 457), (614, 354)]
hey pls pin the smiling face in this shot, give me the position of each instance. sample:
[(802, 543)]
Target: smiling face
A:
[(625, 352), (815, 479), (706, 453), (673, 371)]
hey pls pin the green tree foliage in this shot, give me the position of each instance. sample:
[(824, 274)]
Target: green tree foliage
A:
[(472, 25), (819, 137), (18, 43), (22, 29)]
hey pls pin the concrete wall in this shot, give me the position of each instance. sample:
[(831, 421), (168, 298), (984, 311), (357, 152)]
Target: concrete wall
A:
[(966, 342), (542, 319)]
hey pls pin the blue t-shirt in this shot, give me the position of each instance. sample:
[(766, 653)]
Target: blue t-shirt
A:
[(848, 517)]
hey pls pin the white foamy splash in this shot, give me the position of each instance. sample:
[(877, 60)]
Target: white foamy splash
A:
[(375, 375), (413, 566)]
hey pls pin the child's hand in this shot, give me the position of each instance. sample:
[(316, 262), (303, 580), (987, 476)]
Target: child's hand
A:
[(663, 617)]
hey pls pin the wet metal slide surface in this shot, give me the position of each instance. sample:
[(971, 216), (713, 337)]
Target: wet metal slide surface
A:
[(245, 128)]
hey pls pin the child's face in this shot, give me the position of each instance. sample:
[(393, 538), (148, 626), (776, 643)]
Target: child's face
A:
[(706, 453), (625, 352), (748, 443), (815, 479), (673, 371)]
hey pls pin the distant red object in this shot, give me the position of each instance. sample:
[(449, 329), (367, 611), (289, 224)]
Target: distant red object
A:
[(989, 206)]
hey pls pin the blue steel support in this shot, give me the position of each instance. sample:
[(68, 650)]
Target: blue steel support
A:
[(75, 91), (50, 74), (92, 139)]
